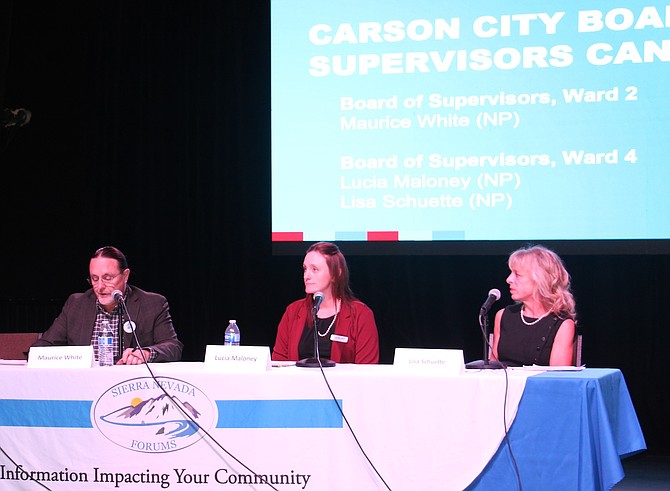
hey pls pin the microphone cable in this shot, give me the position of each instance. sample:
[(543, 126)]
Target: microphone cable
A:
[(517, 473), (325, 379), (177, 404), (507, 440), (29, 474)]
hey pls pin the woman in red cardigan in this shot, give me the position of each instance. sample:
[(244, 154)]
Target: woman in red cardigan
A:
[(346, 327)]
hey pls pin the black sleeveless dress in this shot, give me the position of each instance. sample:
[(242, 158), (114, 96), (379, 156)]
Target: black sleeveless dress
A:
[(520, 344)]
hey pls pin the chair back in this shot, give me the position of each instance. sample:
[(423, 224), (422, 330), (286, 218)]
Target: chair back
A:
[(577, 352), (15, 345)]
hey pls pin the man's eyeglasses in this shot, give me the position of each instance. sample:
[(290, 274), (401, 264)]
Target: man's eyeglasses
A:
[(105, 278)]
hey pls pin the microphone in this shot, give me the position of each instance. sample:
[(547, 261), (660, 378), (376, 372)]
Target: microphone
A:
[(118, 296), (485, 362), (15, 117), (317, 298), (316, 361), (494, 296), (128, 326)]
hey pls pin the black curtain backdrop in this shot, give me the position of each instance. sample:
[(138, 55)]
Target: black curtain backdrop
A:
[(151, 131)]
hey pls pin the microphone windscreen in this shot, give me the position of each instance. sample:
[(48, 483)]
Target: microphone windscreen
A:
[(495, 292)]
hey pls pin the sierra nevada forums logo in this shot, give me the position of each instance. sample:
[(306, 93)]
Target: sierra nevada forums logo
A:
[(153, 415)]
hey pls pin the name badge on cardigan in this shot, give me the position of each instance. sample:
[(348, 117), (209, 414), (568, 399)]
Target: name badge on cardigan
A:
[(339, 339)]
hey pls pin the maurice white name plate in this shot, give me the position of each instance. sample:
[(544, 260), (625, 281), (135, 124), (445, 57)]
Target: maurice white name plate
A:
[(444, 361), (61, 357), (237, 358)]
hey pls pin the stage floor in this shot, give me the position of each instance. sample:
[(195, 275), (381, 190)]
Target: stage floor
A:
[(645, 472)]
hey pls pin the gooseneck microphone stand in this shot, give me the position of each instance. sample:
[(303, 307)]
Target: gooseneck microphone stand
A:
[(316, 361), (118, 296), (485, 362)]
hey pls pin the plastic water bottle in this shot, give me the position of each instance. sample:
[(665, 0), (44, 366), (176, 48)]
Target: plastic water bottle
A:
[(106, 345), (232, 335)]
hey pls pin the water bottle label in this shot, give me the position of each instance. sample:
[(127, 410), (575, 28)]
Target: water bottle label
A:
[(231, 338), (105, 351)]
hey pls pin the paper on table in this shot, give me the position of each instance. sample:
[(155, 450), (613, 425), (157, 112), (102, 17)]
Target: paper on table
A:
[(544, 368), (279, 364)]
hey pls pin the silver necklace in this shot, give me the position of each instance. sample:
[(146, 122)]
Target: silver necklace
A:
[(337, 311), (535, 321)]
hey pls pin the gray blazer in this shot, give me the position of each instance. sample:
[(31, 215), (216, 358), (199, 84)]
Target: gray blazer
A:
[(149, 311)]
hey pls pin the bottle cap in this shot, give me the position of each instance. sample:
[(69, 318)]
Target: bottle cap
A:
[(232, 321)]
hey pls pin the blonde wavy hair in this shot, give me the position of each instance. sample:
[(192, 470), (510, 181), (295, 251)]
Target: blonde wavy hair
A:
[(551, 278)]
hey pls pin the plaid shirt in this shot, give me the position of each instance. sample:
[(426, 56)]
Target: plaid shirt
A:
[(114, 318)]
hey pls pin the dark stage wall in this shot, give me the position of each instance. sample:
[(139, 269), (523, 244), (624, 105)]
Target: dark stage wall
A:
[(151, 131)]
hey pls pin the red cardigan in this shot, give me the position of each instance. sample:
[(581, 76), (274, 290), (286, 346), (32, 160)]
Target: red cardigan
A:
[(355, 321)]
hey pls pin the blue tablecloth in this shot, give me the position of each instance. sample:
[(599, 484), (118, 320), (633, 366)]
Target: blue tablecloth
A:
[(570, 433)]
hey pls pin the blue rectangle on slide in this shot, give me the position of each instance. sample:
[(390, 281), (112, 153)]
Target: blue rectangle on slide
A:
[(448, 235), (45, 414), (295, 413), (351, 235)]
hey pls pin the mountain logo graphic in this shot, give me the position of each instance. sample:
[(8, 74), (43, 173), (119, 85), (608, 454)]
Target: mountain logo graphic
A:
[(153, 416)]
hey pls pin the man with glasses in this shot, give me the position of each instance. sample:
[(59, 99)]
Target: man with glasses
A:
[(80, 321)]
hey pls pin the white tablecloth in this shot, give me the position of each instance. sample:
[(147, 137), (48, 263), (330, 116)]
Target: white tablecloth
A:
[(112, 428)]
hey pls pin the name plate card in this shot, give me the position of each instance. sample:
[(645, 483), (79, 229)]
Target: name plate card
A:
[(442, 361), (61, 357), (237, 358)]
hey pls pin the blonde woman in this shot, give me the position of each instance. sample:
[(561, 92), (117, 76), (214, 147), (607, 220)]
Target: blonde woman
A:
[(539, 329)]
